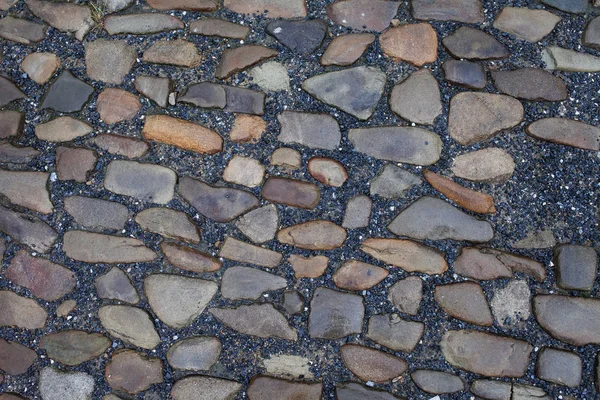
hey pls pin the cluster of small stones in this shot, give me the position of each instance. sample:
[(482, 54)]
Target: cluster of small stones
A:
[(80, 202)]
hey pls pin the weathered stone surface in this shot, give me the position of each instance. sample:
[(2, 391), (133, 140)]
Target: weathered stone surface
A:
[(45, 279), (530, 84), (576, 266), (169, 223), (204, 388), (189, 5), (370, 364), (475, 117), (6, 4), (259, 225), (133, 372), (567, 132), (293, 302), (406, 295), (574, 320), (9, 92), (237, 250), (72, 347), (435, 219), (511, 305), (357, 275), (240, 100), (271, 76), (141, 24), (264, 387), (17, 155), (116, 105), (395, 333), (560, 367), (346, 49), (62, 129), (130, 324), (487, 264), (147, 182), (327, 171), (15, 359), (155, 88), (21, 30), (308, 267), (261, 320), (121, 145), (65, 308), (319, 131), (247, 128), (288, 366), (109, 60), (67, 94), (572, 6), (194, 354), (178, 52), (398, 143), (111, 6), (66, 17), (272, 8), (300, 36), (354, 391), (358, 212), (220, 204), (524, 23), (437, 382), (249, 283), (55, 385), (492, 165), (245, 171), (240, 58), (393, 182), (489, 389), (313, 235), (178, 300), (466, 198), (289, 159), (334, 315), (115, 285), (416, 44), (98, 248), (205, 95), (363, 14), (27, 229), (96, 214), (20, 312), (486, 354), (557, 58), (465, 73), (74, 164), (353, 90), (591, 35), (417, 98), (466, 301), (406, 254), (189, 259), (182, 133), (27, 189), (468, 11), (218, 27), (40, 66), (291, 192), (11, 122), (542, 239), (474, 44)]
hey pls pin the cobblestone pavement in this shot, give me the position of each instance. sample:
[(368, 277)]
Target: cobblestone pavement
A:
[(299, 199)]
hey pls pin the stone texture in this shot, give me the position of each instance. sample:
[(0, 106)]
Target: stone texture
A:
[(557, 58), (130, 324), (240, 100), (334, 315), (293, 302), (189, 259), (567, 132), (486, 354), (27, 229), (489, 389), (147, 182), (116, 105), (96, 214), (371, 365), (406, 254), (98, 248), (141, 24), (327, 171), (115, 285), (73, 347), (247, 128), (511, 304), (434, 219), (471, 200), (437, 382), (198, 353), (109, 60), (398, 144), (245, 171), (313, 235), (475, 117), (527, 24), (465, 73), (237, 250), (196, 387), (288, 366), (417, 98), (261, 320), (272, 8), (65, 308), (264, 387), (346, 49), (291, 192), (183, 134), (395, 333), (74, 164), (178, 300), (44, 279), (465, 301), (9, 92), (17, 155), (576, 266), (20, 312), (488, 264), (591, 35), (572, 6), (491, 165), (536, 240), (21, 30), (218, 27), (271, 76), (286, 158), (56, 385), (406, 295), (560, 367), (155, 88), (249, 283), (358, 275), (169, 223), (354, 391), (15, 359), (67, 94), (320, 131), (62, 129), (355, 91), (133, 372), (358, 212), (392, 182), (416, 44), (530, 84), (27, 189), (111, 6), (308, 267), (259, 225), (7, 4), (300, 36), (474, 44), (189, 5), (66, 17), (178, 52), (374, 15), (220, 204), (40, 66), (237, 59), (468, 11), (205, 95), (11, 122)]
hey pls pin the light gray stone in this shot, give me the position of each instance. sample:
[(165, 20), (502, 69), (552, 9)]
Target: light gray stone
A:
[(204, 388), (249, 283), (557, 58), (198, 353), (261, 320), (417, 98), (130, 324), (147, 182), (320, 131), (511, 304), (169, 223), (96, 214), (271, 76), (393, 182), (334, 315), (259, 225), (56, 385)]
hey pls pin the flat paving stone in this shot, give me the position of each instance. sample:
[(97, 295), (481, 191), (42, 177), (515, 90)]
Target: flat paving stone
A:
[(288, 366), (259, 225), (112, 6), (406, 254), (474, 44), (156, 88), (392, 182), (293, 303), (358, 212), (93, 247), (15, 359), (261, 320), (9, 92), (146, 182), (319, 131), (327, 171), (66, 17), (141, 24), (247, 129), (416, 44), (469, 11), (334, 314), (300, 36), (530, 84), (21, 30), (62, 129), (109, 60), (503, 390), (40, 66), (249, 283), (73, 347), (245, 171), (417, 98), (116, 105), (469, 199), (265, 387), (189, 5), (286, 158), (576, 266), (11, 123), (291, 192), (272, 8), (179, 53), (527, 24), (308, 267), (591, 35), (271, 76), (189, 259), (67, 93), (196, 387), (567, 132), (406, 295), (27, 189), (21, 312), (355, 391), (363, 15), (168, 223), (313, 235), (219, 27), (345, 50), (237, 250), (17, 155), (370, 364), (197, 353), (75, 164), (465, 73), (560, 59), (483, 263), (465, 301), (133, 372), (357, 275), (511, 305), (237, 59), (394, 332), (183, 134), (116, 285), (130, 324), (120, 145), (560, 367), (27, 229), (437, 382), (56, 385), (541, 239), (491, 165), (96, 214), (246, 101)]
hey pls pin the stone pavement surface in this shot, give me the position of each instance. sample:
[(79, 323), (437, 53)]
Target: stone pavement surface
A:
[(299, 199)]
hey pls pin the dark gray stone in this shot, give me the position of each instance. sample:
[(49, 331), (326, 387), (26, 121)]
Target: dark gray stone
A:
[(9, 92), (468, 11), (115, 285), (394, 332), (474, 44), (205, 95), (465, 73), (530, 84), (559, 366), (27, 229), (334, 315), (293, 302), (576, 266), (301, 36), (21, 31), (245, 101), (261, 320), (67, 94), (437, 382)]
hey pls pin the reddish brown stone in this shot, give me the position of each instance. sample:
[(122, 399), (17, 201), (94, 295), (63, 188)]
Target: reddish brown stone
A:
[(370, 364), (15, 359), (413, 43), (189, 259), (327, 171), (116, 105), (179, 52), (406, 254), (247, 128), (357, 275), (291, 192), (183, 134), (466, 198), (40, 66), (121, 145), (308, 267), (240, 58), (346, 49), (133, 372)]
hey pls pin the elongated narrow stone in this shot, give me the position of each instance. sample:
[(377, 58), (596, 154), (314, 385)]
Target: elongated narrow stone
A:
[(189, 259), (240, 58), (486, 264), (530, 84), (183, 134), (261, 320), (218, 27), (313, 235), (141, 24), (291, 192), (98, 248), (370, 364), (370, 15), (406, 254), (147, 182), (567, 132), (73, 347), (237, 250), (528, 24), (466, 198), (469, 11), (27, 229), (272, 8), (21, 30)]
